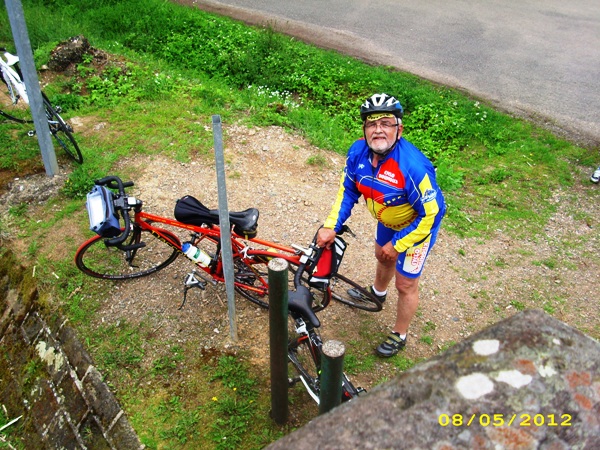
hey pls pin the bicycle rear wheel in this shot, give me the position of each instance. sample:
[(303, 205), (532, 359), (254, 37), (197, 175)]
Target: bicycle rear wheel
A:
[(340, 285), (305, 357), (305, 360), (61, 131), (97, 260), (251, 281)]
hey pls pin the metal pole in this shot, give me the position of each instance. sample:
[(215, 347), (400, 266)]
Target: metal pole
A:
[(278, 338), (226, 252), (332, 366), (18, 27)]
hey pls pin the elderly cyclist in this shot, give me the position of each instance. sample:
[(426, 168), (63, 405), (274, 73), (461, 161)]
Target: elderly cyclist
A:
[(399, 186)]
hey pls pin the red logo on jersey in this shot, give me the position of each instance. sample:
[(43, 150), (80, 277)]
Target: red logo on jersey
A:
[(390, 173)]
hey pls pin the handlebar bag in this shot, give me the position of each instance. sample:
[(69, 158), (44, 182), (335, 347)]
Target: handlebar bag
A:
[(101, 212), (327, 265)]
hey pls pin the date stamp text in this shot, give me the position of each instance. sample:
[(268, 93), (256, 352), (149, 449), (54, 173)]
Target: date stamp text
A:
[(499, 420)]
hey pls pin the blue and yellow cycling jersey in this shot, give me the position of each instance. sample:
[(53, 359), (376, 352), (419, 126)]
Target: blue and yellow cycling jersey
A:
[(401, 192)]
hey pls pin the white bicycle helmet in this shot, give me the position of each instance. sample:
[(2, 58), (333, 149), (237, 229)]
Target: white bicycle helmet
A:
[(381, 103)]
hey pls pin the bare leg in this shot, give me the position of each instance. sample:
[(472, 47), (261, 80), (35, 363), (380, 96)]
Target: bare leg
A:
[(408, 301), (408, 290), (384, 272)]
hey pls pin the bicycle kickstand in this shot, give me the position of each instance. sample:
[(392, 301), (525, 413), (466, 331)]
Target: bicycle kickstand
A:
[(190, 282)]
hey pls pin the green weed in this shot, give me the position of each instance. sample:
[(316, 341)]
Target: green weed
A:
[(519, 306), (402, 362), (426, 340)]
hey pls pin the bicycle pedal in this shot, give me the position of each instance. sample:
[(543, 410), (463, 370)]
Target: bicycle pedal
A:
[(293, 381), (191, 281), (58, 109)]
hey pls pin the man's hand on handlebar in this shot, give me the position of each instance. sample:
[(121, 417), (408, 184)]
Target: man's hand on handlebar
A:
[(325, 237)]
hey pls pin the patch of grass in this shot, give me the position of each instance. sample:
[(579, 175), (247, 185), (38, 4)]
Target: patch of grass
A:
[(402, 362), (428, 340), (447, 345), (550, 263), (166, 364), (119, 348), (170, 70), (316, 160), (8, 436), (354, 364), (429, 326), (519, 306)]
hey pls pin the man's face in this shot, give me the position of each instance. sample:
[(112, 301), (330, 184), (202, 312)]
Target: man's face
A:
[(382, 133)]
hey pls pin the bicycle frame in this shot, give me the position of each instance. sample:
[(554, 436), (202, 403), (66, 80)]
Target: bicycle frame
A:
[(239, 248), (12, 78)]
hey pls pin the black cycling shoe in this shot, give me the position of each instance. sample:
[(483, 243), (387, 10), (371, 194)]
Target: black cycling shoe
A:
[(392, 345), (355, 293)]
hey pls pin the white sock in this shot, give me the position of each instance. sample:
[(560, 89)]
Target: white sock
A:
[(401, 336), (376, 292)]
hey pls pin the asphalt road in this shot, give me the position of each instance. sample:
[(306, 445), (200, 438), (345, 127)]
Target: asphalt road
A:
[(538, 59)]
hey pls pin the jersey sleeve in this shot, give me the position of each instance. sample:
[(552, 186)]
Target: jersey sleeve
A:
[(427, 200), (346, 198)]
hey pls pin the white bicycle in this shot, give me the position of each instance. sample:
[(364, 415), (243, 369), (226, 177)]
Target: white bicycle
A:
[(19, 112)]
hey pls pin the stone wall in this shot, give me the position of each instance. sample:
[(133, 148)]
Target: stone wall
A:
[(529, 382), (48, 378)]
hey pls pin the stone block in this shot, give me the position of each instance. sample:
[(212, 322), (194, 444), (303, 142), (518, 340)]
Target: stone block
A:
[(72, 400), (53, 357), (527, 382), (100, 398), (15, 349), (78, 357), (11, 395), (60, 435), (32, 325), (92, 435), (44, 405), (123, 436)]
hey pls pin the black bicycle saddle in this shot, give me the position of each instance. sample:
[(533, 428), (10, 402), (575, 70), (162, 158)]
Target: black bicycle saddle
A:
[(191, 211)]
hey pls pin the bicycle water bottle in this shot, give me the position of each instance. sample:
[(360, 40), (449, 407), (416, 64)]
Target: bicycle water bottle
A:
[(196, 254)]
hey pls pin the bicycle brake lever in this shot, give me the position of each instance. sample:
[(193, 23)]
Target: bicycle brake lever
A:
[(346, 229), (306, 251)]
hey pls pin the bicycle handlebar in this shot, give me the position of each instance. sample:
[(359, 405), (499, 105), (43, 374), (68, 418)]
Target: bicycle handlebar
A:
[(114, 182)]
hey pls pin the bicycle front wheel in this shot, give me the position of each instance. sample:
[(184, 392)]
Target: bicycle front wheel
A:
[(359, 297), (97, 260), (61, 131)]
